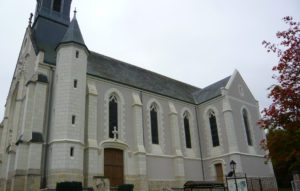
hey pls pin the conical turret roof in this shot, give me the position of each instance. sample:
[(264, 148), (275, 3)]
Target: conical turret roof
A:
[(73, 34)]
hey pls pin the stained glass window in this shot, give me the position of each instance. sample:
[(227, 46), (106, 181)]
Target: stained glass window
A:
[(154, 124), (246, 124), (113, 115), (187, 130), (214, 129)]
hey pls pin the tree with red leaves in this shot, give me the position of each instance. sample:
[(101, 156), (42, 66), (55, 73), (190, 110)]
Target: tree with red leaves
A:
[(281, 119)]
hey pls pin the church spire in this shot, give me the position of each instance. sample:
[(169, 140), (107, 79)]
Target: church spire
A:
[(73, 33)]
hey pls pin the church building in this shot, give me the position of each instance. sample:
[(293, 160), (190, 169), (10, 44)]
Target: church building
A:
[(76, 115)]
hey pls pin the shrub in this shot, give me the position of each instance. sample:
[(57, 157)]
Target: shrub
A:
[(125, 187), (69, 186)]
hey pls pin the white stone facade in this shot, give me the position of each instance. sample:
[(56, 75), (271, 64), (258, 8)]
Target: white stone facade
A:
[(54, 130)]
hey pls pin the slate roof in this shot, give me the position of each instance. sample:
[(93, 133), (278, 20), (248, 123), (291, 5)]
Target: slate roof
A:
[(117, 71), (47, 35), (210, 92), (73, 33)]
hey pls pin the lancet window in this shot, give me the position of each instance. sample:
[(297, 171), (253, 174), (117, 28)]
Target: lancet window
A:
[(246, 124), (187, 130), (113, 115), (154, 123), (214, 129)]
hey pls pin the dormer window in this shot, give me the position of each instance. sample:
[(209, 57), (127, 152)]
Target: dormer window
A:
[(57, 5)]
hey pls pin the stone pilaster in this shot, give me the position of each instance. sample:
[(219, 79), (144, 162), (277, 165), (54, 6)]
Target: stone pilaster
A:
[(33, 173), (138, 123), (91, 152), (229, 126), (39, 107), (29, 145), (3, 168), (17, 110), (26, 129), (176, 148), (9, 171), (33, 176), (19, 171), (175, 138), (3, 155), (140, 181), (1, 151)]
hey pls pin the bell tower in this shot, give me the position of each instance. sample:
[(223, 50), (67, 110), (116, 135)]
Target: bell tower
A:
[(68, 126), (56, 10), (51, 21)]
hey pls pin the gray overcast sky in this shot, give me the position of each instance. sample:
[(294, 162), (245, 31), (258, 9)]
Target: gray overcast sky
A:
[(195, 41)]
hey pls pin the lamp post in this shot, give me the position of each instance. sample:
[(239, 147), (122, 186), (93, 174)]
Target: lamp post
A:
[(233, 166)]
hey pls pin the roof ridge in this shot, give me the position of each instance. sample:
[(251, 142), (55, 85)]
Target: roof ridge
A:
[(219, 81), (211, 91)]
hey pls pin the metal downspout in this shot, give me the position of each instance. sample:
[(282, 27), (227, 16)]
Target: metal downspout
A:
[(44, 179), (203, 174)]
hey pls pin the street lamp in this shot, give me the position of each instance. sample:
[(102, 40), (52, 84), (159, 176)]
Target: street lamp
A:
[(233, 166)]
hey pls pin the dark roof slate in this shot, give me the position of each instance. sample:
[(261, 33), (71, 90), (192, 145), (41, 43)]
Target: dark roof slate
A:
[(210, 92), (46, 35), (73, 33), (117, 71)]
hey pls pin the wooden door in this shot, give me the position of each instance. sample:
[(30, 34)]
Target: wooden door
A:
[(219, 172), (113, 166)]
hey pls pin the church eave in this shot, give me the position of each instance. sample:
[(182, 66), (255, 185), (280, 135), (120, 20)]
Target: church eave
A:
[(142, 89)]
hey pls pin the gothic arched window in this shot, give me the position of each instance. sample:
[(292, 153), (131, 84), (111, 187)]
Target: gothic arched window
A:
[(113, 115), (214, 129), (246, 124), (186, 122), (57, 5), (154, 123)]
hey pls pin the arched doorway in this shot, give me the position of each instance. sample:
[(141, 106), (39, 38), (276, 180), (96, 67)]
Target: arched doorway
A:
[(114, 166)]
